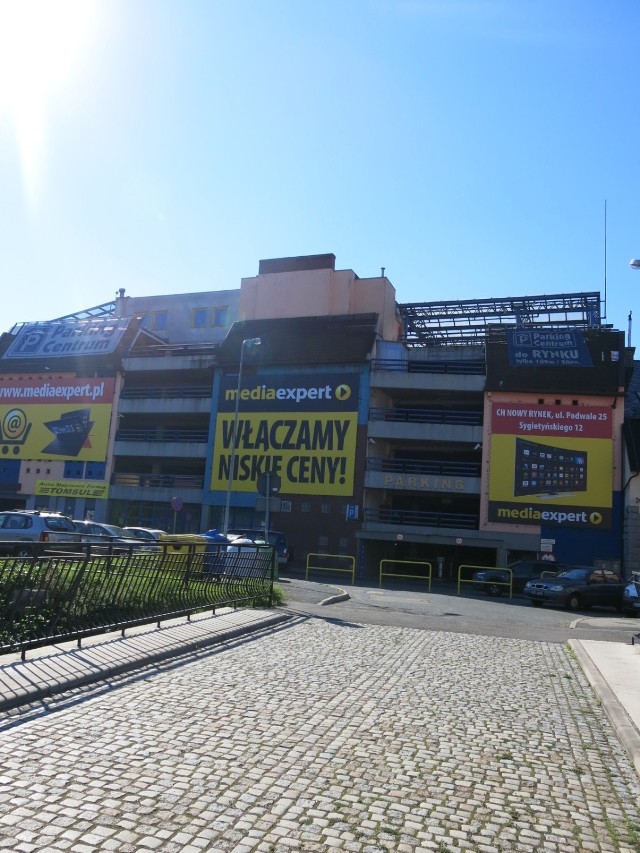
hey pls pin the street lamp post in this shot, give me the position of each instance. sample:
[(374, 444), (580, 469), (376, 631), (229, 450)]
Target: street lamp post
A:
[(247, 342), (634, 263)]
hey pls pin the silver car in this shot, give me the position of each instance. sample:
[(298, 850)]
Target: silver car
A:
[(24, 533), (111, 537)]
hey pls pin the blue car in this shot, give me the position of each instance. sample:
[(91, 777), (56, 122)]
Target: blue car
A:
[(631, 596)]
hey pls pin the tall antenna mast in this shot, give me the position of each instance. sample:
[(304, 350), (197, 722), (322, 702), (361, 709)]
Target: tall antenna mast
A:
[(605, 260)]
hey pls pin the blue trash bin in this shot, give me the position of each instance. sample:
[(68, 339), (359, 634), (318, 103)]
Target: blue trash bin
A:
[(215, 553)]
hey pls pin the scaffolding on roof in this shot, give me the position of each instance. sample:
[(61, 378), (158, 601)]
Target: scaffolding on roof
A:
[(461, 322)]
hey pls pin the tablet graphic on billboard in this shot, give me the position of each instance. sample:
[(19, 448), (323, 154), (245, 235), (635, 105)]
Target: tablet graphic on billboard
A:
[(546, 469)]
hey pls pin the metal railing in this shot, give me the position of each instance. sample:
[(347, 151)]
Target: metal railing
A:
[(398, 517), (341, 563), (155, 435), (51, 597), (165, 391), (471, 367), (400, 575), (158, 481), (464, 417), (159, 350), (464, 568), (500, 571), (424, 466)]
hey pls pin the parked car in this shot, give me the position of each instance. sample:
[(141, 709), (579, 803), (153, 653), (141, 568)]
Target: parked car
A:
[(520, 573), (27, 532), (578, 588), (631, 596), (243, 556), (146, 533), (276, 538), (111, 536)]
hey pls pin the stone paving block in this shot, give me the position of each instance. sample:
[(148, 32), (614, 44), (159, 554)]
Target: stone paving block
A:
[(370, 738)]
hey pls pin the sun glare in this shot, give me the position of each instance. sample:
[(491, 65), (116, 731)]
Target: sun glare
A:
[(41, 44)]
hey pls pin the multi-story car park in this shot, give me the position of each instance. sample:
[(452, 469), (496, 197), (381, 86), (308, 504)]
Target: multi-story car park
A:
[(472, 432)]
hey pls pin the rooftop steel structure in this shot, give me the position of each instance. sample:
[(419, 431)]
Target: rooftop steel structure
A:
[(457, 322)]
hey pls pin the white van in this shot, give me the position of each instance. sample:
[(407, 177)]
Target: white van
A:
[(246, 558)]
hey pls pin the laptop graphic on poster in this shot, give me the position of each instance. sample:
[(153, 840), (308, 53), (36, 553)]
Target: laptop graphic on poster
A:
[(541, 469), (70, 431)]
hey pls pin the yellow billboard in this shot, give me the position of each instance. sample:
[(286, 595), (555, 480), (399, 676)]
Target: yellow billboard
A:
[(551, 465), (312, 453), (58, 417), (301, 427), (98, 489)]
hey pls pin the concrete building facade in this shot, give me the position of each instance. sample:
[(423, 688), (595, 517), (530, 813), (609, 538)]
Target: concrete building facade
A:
[(446, 432)]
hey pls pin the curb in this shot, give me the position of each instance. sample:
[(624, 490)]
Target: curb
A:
[(624, 727), (26, 683), (336, 599)]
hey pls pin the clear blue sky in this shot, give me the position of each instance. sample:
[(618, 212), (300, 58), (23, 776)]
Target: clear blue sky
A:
[(468, 146)]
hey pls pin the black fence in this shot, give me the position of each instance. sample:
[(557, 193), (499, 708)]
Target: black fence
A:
[(52, 597), (444, 467), (464, 417), (421, 518), (468, 367)]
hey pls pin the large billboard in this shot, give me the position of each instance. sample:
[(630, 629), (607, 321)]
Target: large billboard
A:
[(555, 361), (548, 348), (58, 417), (96, 336), (551, 465), (299, 427)]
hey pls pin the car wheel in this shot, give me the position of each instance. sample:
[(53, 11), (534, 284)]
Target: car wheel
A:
[(494, 589), (23, 551), (573, 602), (536, 603)]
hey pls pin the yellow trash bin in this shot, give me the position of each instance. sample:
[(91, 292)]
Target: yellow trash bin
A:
[(181, 551)]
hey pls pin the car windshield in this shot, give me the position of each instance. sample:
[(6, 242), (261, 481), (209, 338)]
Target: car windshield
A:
[(141, 533), (575, 574), (114, 530)]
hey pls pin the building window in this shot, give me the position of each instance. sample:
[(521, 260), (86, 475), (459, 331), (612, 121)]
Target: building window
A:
[(221, 316), (95, 471), (199, 318), (306, 506), (159, 321), (343, 546), (73, 470), (323, 544), (325, 508)]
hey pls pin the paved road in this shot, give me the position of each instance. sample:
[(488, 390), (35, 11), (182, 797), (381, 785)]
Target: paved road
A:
[(472, 612), (328, 734)]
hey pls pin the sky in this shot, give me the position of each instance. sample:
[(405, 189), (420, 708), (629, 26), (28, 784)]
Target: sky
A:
[(473, 148)]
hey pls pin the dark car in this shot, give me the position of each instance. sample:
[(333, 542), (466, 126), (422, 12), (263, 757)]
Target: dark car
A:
[(496, 581), (631, 596), (578, 588), (276, 538)]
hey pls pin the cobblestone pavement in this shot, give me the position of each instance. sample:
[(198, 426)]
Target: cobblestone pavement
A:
[(328, 736)]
